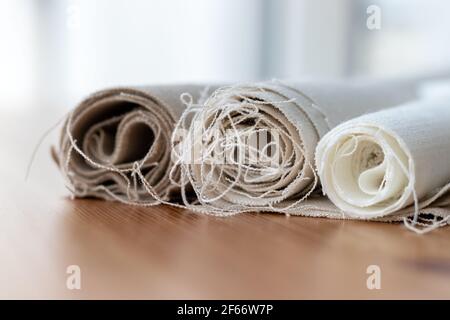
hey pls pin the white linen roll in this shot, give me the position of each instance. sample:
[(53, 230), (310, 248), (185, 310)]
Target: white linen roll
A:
[(377, 164)]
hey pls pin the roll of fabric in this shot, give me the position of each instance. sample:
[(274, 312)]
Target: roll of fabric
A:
[(380, 163), (293, 117), (116, 144)]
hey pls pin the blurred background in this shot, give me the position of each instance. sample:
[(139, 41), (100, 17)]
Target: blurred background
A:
[(55, 52)]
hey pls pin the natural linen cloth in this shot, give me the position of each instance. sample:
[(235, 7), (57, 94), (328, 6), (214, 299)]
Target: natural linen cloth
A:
[(377, 164), (116, 144), (298, 115)]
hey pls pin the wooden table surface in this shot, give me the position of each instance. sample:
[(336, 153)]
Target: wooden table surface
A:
[(162, 252)]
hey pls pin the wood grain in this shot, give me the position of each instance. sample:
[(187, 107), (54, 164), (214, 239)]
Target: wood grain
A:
[(163, 252)]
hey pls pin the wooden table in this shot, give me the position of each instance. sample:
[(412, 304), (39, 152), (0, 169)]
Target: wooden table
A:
[(162, 252)]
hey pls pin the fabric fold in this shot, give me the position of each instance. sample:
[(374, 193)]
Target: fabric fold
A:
[(116, 144)]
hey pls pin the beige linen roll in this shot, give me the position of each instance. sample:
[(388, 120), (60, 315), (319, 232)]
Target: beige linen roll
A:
[(116, 144)]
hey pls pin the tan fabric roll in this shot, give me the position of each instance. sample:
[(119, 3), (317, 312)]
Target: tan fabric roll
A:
[(116, 144)]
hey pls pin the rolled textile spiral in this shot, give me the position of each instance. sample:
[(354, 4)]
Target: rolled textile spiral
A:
[(380, 163), (116, 144), (293, 117)]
